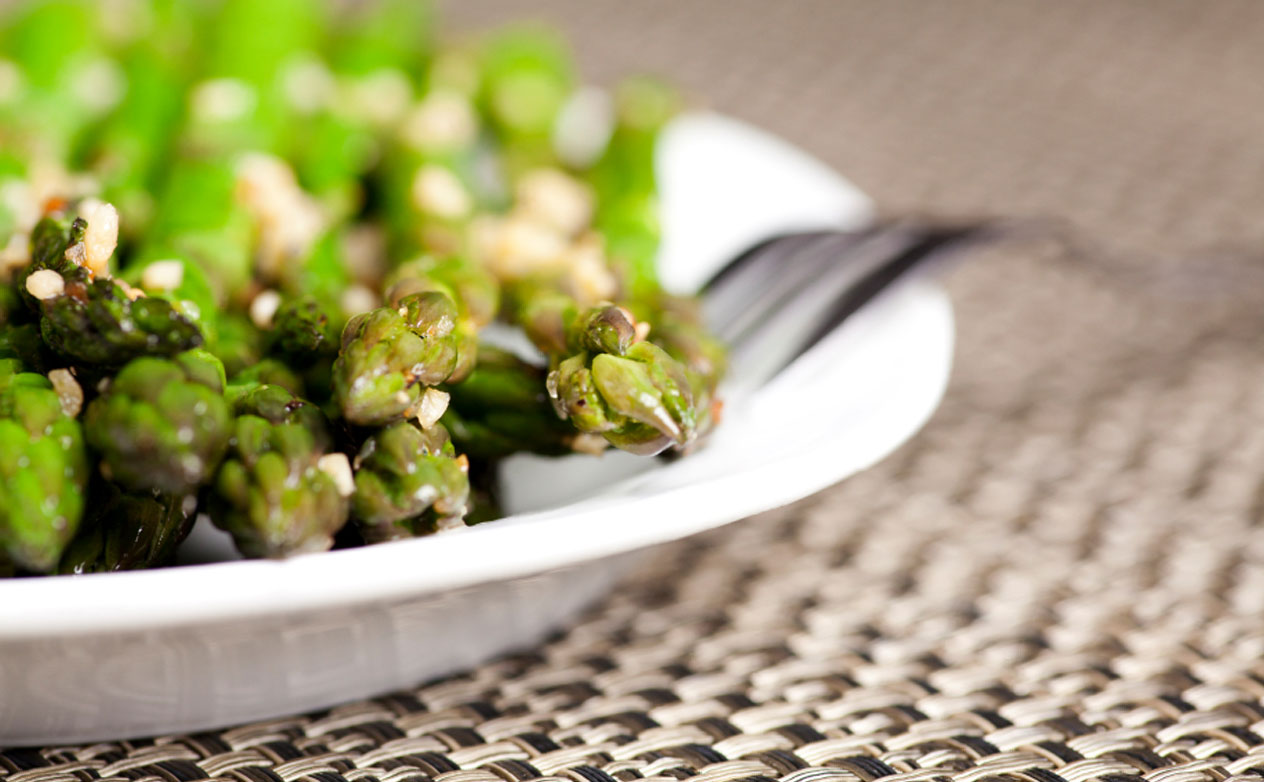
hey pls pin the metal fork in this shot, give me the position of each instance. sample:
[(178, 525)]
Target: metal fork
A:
[(776, 300)]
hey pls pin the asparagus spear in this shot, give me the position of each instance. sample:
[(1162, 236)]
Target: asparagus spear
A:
[(640, 401), (527, 76), (44, 468), (280, 491), (239, 343), (24, 343), (127, 151), (128, 530), (409, 481), (86, 315), (268, 371), (97, 322), (252, 43), (605, 378), (185, 286), (678, 329), (503, 408), (161, 424), (475, 292), (49, 240), (396, 34), (197, 219), (301, 331), (430, 194), (349, 103), (428, 176), (237, 108), (392, 354), (625, 181), (65, 83)]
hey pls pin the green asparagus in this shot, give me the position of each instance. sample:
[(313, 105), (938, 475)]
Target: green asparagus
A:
[(129, 531), (44, 468), (161, 424), (503, 408), (279, 490), (301, 331), (607, 380), (392, 354), (409, 481), (96, 321), (269, 250), (626, 184)]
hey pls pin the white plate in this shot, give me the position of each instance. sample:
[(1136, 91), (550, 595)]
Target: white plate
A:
[(125, 654)]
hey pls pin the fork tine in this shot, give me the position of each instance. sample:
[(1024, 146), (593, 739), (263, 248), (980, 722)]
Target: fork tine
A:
[(752, 254), (787, 282), (733, 288), (763, 342), (935, 243), (787, 310), (759, 280)]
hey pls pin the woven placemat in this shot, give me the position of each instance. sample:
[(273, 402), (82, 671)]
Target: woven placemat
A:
[(1059, 579)]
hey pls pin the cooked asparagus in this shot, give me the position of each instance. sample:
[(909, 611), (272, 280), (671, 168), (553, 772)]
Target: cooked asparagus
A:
[(44, 468), (254, 258)]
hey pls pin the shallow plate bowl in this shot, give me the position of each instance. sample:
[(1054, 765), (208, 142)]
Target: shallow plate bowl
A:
[(190, 648)]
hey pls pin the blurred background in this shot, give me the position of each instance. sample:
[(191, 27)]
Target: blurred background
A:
[(1091, 485), (1140, 120)]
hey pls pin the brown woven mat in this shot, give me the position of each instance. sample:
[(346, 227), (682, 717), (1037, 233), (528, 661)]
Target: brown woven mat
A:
[(1060, 579)]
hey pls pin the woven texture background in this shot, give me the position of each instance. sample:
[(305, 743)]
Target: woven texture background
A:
[(1059, 579)]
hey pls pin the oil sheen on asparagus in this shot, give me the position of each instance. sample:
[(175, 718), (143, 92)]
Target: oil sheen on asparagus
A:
[(252, 255)]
